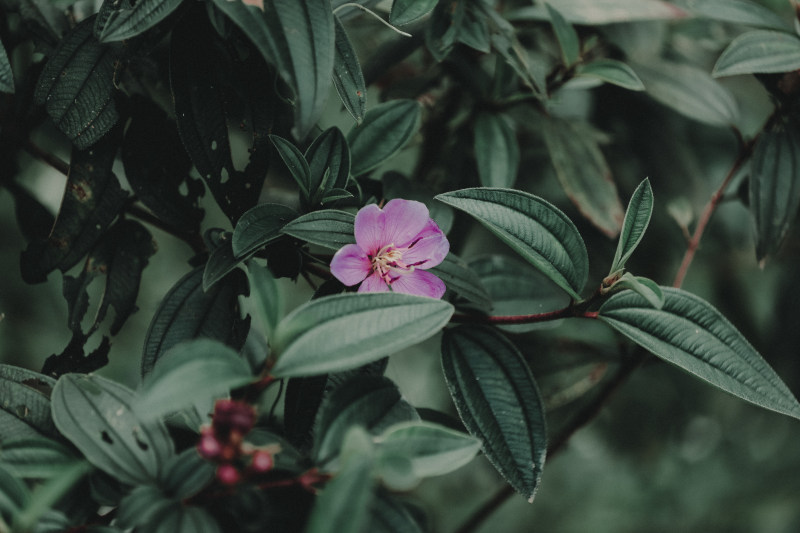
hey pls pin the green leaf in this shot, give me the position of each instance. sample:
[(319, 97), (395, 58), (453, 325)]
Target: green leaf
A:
[(760, 51), (187, 312), (533, 228), (259, 226), (188, 373), (738, 12), (461, 279), (6, 74), (126, 22), (77, 86), (141, 505), (49, 492), (295, 162), (371, 402), (386, 129), (221, 261), (97, 416), (691, 334), (566, 35), (444, 27), (187, 473), (584, 174), (612, 71), (645, 287), (266, 296), (328, 227), (496, 150), (598, 12), (14, 494), (35, 457), (474, 31), (388, 515), (498, 401), (637, 218), (184, 519), (347, 76), (345, 331), (407, 11), (775, 183), (328, 156), (25, 404)]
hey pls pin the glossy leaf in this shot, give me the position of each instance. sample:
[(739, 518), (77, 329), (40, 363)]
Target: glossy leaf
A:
[(260, 226), (775, 184), (637, 218), (584, 174), (386, 129), (496, 151), (25, 404), (691, 334), (97, 416), (737, 12), (6, 74), (407, 11), (498, 401), (533, 228), (347, 76), (612, 71), (461, 279), (77, 87), (645, 287), (760, 51), (597, 12), (328, 227), (341, 332), (188, 373), (126, 22), (566, 35), (187, 312)]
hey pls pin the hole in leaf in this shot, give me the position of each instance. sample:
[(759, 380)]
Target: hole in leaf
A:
[(106, 437), (139, 442), (22, 411)]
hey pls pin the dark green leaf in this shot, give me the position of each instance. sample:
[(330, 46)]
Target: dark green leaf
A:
[(596, 12), (345, 331), (612, 71), (646, 288), (49, 492), (6, 74), (499, 402), (532, 227), (14, 495), (347, 75), (760, 51), (296, 163), (91, 203), (35, 457), (126, 22), (637, 218), (186, 474), (584, 173), (388, 515), (328, 156), (775, 184), (25, 404), (496, 150), (221, 261), (77, 86), (260, 226), (443, 29), (183, 519), (141, 505), (738, 12), (407, 11), (75, 359), (691, 334), (566, 35), (96, 415), (506, 43), (187, 312), (386, 129), (474, 31), (265, 295), (327, 227), (461, 279)]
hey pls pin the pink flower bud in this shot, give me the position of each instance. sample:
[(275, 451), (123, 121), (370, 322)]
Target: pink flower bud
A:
[(209, 447), (262, 461), (227, 474)]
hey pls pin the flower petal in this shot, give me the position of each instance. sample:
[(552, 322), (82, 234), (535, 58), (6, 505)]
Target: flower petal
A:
[(369, 228), (429, 248), (403, 220), (419, 282), (350, 265), (374, 283)]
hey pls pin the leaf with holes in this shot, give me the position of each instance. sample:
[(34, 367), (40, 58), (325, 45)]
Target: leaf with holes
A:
[(96, 415), (260, 226), (386, 129), (498, 401), (637, 218), (761, 51), (25, 404), (688, 332), (126, 22), (347, 75)]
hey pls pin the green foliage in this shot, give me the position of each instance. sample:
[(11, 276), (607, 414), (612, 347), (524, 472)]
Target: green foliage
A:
[(761, 51)]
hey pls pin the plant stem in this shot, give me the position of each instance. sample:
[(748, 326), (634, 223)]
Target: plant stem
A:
[(46, 157), (571, 311)]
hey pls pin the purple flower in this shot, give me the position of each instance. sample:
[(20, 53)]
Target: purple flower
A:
[(394, 248)]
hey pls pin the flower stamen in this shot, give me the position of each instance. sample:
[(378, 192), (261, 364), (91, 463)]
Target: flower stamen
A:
[(389, 260)]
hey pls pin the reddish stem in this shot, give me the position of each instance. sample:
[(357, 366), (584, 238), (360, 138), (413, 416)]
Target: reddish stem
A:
[(571, 311)]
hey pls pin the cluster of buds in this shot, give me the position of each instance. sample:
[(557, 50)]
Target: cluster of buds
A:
[(223, 442)]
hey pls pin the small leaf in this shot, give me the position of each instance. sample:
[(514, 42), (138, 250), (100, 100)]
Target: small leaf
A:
[(637, 218), (461, 279), (126, 22), (496, 150), (329, 154), (775, 183), (645, 287), (760, 51), (691, 334), (584, 173), (25, 404), (566, 35), (341, 332), (498, 401), (6, 74), (612, 71), (191, 372), (738, 12), (265, 295), (347, 75), (386, 129), (96, 415), (407, 11), (295, 162), (327, 227), (533, 228), (260, 226), (444, 27), (474, 31)]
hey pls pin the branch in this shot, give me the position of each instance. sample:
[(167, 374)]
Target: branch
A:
[(571, 311)]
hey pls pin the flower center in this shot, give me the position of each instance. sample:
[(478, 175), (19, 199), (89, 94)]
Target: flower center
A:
[(388, 261)]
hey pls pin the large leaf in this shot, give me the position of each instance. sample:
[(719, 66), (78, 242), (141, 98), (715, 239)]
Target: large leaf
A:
[(126, 22), (496, 150), (595, 12), (187, 312), (775, 183), (499, 402), (345, 331), (612, 71), (299, 39), (6, 74), (259, 226), (385, 130), (25, 404), (584, 173), (532, 227), (77, 86), (328, 227), (688, 332), (744, 12), (96, 415), (637, 218), (347, 75), (761, 51)]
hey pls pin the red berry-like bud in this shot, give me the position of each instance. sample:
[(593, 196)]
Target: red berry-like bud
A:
[(262, 461), (230, 415), (227, 474), (209, 447)]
